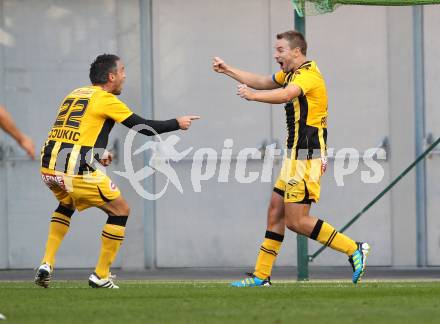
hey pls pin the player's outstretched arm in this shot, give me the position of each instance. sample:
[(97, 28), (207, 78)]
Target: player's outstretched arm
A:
[(253, 80), (8, 125), (159, 126), (277, 96)]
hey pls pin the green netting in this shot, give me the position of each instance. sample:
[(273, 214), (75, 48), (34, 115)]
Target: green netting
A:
[(317, 7)]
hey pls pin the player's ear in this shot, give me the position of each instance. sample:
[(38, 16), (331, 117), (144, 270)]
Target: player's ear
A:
[(111, 77)]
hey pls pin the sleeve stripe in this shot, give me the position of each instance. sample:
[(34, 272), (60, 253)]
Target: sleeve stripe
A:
[(275, 80)]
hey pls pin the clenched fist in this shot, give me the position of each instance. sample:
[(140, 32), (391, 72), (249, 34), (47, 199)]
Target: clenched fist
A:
[(244, 92), (218, 65), (106, 158)]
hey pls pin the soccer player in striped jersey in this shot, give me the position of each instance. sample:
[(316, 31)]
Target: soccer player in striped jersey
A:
[(300, 86), (78, 137)]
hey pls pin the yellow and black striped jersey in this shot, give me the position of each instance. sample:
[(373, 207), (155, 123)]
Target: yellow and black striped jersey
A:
[(306, 115), (81, 129)]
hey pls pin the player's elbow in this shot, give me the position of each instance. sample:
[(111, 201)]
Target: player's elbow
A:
[(286, 97), (291, 92)]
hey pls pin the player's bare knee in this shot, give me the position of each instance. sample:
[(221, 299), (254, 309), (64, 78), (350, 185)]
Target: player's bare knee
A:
[(297, 223), (127, 210), (123, 208), (292, 224), (118, 207), (302, 225)]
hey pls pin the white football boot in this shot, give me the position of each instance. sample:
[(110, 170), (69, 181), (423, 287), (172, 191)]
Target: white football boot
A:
[(96, 282), (43, 276)]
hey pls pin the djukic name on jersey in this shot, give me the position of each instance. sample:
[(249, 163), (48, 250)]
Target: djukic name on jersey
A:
[(64, 134)]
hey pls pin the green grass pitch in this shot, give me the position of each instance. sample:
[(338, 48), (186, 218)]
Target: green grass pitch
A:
[(215, 302)]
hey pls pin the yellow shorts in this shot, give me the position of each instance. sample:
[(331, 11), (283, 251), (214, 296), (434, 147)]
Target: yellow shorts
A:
[(82, 191), (299, 181)]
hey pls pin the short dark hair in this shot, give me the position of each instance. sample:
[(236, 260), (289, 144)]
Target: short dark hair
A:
[(101, 67), (295, 39)]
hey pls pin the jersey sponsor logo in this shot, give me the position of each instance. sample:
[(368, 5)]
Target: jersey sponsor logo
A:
[(52, 180), (64, 134)]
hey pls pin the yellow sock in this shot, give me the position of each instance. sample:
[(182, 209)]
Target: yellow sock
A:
[(112, 237), (327, 235), (58, 228), (268, 254)]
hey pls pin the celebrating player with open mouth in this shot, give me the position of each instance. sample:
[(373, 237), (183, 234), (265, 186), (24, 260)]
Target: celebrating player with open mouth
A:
[(300, 86), (80, 135)]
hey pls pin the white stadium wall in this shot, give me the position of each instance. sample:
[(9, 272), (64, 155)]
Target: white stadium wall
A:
[(365, 54)]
